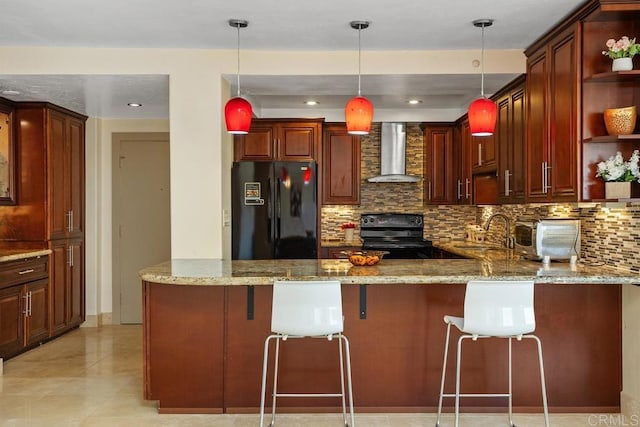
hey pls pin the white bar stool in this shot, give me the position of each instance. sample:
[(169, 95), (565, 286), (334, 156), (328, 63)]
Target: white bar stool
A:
[(502, 309), (307, 309)]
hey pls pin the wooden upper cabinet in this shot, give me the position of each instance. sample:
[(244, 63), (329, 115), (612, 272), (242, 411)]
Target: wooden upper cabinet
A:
[(483, 154), (464, 149), (510, 136), (440, 165), (340, 166), (552, 120), (269, 140)]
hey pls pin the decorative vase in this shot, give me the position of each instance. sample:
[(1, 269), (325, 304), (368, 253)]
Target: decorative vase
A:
[(620, 121), (621, 190), (348, 234), (622, 64)]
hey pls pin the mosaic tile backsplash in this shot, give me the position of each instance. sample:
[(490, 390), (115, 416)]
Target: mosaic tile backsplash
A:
[(609, 234)]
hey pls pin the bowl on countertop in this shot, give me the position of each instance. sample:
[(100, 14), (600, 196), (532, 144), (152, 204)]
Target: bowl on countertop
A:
[(364, 258)]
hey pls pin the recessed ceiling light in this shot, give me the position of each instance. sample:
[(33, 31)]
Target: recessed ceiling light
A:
[(311, 102), (414, 101), (10, 92), (134, 104)]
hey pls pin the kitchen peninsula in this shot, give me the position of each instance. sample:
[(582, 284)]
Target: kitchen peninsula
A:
[(205, 322)]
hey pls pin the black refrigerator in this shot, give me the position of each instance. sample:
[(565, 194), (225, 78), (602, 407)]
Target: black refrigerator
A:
[(274, 209)]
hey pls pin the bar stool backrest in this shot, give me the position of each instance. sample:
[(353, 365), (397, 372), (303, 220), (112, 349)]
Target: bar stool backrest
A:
[(306, 308), (499, 308)]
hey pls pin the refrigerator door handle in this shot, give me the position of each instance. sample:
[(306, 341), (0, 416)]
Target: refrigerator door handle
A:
[(269, 207), (278, 209)]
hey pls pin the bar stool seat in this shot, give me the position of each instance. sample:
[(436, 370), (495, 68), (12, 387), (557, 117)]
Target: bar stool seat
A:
[(501, 309), (307, 309)]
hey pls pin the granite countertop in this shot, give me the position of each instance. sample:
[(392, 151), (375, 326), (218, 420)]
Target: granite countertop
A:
[(388, 271), (13, 254), (477, 250)]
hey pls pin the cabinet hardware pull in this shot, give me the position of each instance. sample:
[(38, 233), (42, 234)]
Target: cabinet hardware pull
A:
[(29, 304), (546, 177), (26, 304), (70, 256), (466, 187), (429, 190), (479, 154), (507, 182), (31, 270), (459, 189)]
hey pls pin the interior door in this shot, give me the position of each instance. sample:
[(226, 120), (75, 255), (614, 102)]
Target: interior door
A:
[(142, 228)]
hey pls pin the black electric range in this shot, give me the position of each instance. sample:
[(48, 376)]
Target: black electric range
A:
[(399, 234)]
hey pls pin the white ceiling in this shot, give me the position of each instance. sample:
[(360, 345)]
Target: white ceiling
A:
[(405, 25)]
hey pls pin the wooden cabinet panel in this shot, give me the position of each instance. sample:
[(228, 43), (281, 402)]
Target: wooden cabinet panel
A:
[(37, 322), (11, 321), (76, 285), (483, 153), (563, 84), (288, 140), (340, 166), (464, 189), (510, 136), (58, 176), (440, 165), (75, 141), (552, 120), (58, 277)]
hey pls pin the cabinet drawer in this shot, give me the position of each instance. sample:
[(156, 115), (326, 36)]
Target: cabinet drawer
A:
[(23, 271)]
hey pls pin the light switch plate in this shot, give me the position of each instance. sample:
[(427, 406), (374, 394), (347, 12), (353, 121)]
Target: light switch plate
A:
[(226, 218)]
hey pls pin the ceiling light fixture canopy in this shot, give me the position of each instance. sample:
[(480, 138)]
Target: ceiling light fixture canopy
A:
[(358, 112), (238, 111), (482, 111)]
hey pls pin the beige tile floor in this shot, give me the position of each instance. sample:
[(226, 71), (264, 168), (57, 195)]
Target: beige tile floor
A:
[(93, 377)]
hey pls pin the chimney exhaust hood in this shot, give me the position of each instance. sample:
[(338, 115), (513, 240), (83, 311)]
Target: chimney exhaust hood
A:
[(393, 145)]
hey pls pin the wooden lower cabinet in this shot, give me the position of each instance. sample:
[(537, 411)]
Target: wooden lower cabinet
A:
[(67, 284), (204, 347), (24, 306)]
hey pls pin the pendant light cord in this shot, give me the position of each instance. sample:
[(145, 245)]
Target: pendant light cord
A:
[(359, 56), (482, 65), (238, 70)]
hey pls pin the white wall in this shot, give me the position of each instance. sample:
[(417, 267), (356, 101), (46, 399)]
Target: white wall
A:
[(630, 398)]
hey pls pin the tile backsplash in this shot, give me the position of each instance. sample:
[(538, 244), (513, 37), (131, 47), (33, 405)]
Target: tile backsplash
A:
[(609, 234)]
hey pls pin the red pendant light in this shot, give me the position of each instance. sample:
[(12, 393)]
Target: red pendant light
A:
[(358, 112), (238, 111), (482, 111)]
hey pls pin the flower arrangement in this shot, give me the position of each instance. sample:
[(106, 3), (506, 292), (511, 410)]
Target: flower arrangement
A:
[(615, 169), (347, 225), (623, 48)]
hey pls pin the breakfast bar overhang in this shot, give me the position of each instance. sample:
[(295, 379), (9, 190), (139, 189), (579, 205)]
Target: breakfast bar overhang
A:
[(205, 322)]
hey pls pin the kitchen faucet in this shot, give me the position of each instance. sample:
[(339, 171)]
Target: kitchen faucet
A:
[(509, 242)]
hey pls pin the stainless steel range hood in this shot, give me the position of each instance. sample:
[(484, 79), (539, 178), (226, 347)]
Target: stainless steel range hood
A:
[(393, 146)]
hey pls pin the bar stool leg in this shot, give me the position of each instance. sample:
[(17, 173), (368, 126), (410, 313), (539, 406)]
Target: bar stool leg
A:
[(275, 382), (264, 378), (458, 359), (444, 369), (542, 381), (349, 384), (510, 385), (344, 406)]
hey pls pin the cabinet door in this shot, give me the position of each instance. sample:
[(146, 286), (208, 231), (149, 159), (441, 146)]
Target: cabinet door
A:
[(340, 166), (563, 83), (37, 319), (484, 153), (58, 176), (75, 167), (466, 161), (440, 172), (11, 320), (537, 142), (517, 146), (58, 277), (257, 145), (504, 137), (75, 283), (297, 141)]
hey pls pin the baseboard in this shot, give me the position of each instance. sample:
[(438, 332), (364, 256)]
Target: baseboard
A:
[(95, 320), (630, 407)]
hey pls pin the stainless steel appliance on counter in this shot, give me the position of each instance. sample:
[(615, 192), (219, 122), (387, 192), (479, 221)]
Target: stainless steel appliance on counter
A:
[(274, 210), (398, 234), (558, 239)]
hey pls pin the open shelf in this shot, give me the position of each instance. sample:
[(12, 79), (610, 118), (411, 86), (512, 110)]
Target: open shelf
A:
[(614, 76), (613, 138)]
